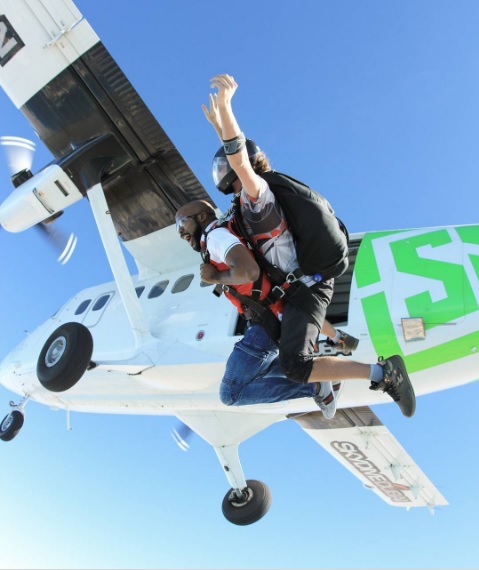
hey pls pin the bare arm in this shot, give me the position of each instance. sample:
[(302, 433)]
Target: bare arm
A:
[(243, 268), (239, 162)]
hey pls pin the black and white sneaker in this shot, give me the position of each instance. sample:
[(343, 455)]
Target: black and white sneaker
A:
[(396, 384), (325, 400)]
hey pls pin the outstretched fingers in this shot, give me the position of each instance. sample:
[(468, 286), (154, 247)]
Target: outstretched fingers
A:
[(212, 114), (225, 84)]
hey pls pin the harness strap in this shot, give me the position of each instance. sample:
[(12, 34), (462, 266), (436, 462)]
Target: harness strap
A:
[(205, 255), (261, 311), (257, 306), (283, 283)]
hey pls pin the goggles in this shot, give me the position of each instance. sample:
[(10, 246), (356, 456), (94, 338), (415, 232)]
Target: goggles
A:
[(181, 221)]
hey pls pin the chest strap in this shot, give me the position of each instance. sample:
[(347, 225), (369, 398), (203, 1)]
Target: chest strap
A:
[(283, 283)]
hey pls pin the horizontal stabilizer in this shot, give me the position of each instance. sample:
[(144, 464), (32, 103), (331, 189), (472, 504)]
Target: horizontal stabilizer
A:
[(357, 439)]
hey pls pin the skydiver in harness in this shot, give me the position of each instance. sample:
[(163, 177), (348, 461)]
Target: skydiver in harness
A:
[(304, 311)]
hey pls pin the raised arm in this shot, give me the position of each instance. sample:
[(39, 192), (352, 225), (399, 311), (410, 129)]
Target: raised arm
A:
[(231, 132)]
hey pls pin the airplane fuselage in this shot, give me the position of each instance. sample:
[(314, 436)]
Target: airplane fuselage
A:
[(410, 292)]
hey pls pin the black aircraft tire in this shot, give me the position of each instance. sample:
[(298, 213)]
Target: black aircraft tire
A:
[(255, 505), (11, 425), (65, 357)]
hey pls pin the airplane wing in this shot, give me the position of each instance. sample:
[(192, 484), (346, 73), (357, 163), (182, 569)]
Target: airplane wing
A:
[(359, 441), (82, 106)]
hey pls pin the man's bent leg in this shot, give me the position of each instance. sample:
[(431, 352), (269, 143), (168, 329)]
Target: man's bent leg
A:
[(253, 373)]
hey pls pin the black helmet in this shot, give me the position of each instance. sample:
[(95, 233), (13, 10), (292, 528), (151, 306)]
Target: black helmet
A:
[(223, 175)]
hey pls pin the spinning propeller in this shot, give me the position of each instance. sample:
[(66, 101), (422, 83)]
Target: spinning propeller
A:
[(19, 154), (181, 434)]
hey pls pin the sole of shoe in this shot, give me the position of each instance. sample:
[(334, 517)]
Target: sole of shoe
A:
[(337, 389), (406, 390), (351, 343)]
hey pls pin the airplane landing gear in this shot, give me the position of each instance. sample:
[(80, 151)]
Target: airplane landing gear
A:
[(13, 422), (11, 425), (248, 500), (65, 357), (252, 504)]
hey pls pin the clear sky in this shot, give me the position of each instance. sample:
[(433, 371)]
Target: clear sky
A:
[(376, 105)]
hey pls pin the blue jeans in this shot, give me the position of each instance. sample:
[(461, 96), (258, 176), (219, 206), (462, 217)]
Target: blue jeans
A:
[(254, 374)]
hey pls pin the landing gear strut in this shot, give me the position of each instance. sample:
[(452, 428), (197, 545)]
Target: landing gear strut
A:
[(248, 500)]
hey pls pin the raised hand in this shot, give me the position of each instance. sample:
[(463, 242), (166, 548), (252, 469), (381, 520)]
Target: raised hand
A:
[(226, 86)]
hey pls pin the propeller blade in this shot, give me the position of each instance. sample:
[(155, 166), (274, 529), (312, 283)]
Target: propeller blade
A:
[(19, 153), (181, 434), (63, 245)]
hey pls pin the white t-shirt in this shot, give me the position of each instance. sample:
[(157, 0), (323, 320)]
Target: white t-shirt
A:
[(219, 242)]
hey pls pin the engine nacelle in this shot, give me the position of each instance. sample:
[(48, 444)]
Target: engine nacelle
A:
[(47, 193)]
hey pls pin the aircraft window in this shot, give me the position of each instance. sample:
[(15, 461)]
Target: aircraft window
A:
[(139, 290), (182, 283), (82, 307), (101, 302), (158, 289)]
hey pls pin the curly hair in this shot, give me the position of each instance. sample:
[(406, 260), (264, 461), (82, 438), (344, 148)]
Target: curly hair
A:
[(261, 163)]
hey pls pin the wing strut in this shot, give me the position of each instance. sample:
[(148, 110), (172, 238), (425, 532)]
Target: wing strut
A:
[(118, 265)]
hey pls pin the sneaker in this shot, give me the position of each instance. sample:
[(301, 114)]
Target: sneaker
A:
[(345, 344), (327, 403), (396, 384), (337, 389)]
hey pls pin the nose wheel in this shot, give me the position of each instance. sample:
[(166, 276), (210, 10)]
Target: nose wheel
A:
[(13, 422), (11, 425)]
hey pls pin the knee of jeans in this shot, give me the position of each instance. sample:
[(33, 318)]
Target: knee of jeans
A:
[(296, 367), (226, 395), (227, 401)]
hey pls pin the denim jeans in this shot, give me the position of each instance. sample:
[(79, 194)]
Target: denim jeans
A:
[(254, 375)]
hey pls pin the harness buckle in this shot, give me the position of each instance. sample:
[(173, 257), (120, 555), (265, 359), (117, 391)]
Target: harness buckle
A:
[(278, 292), (218, 290), (294, 275)]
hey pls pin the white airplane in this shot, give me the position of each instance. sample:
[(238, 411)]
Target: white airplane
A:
[(156, 342)]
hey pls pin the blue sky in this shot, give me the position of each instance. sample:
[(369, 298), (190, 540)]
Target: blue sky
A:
[(376, 105)]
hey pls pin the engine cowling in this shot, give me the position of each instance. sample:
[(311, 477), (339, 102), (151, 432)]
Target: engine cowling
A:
[(38, 198)]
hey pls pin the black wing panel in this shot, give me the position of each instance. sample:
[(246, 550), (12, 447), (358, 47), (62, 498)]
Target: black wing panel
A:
[(93, 97)]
